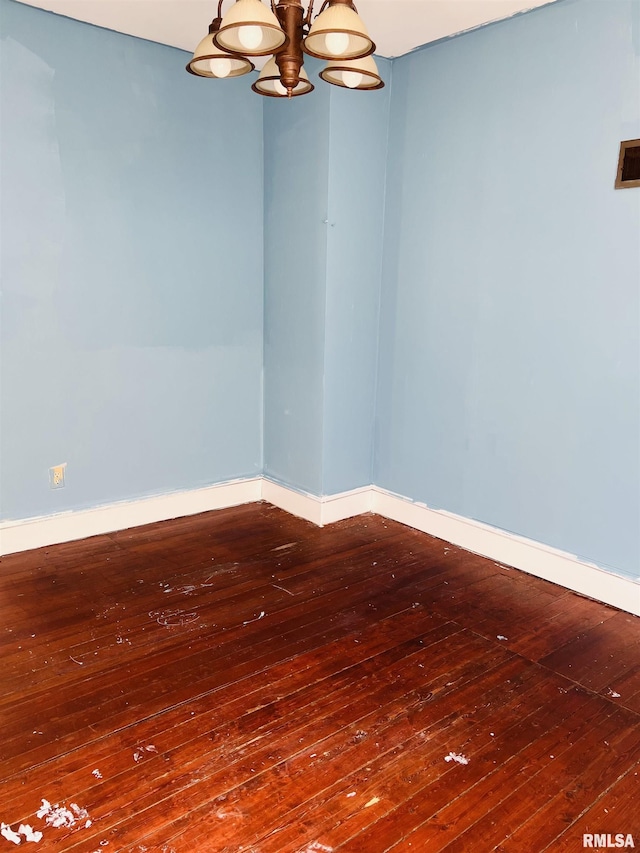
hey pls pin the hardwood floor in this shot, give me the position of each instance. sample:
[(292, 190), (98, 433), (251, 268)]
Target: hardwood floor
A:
[(244, 682)]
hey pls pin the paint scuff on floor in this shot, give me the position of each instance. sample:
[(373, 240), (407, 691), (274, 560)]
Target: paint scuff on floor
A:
[(284, 547), (282, 588), (170, 618), (139, 752)]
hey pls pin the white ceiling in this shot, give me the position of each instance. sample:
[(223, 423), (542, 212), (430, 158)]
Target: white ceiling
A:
[(396, 26)]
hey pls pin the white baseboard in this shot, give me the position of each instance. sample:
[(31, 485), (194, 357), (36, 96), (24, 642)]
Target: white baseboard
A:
[(25, 534), (29, 533), (346, 505), (295, 503), (320, 511), (511, 550)]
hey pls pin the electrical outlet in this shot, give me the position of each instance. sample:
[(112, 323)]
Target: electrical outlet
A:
[(56, 476)]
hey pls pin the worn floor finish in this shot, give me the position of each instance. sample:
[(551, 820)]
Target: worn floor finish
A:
[(245, 681)]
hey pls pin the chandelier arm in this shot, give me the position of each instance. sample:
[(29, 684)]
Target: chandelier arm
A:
[(335, 2), (307, 17), (214, 26), (348, 3)]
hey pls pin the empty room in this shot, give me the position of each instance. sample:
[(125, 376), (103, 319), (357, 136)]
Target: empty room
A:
[(320, 426)]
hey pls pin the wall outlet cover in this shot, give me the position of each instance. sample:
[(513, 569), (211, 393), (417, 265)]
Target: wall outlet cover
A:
[(56, 476)]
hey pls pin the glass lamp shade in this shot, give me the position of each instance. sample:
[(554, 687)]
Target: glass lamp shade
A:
[(251, 29), (353, 73), (268, 83), (209, 61), (338, 33)]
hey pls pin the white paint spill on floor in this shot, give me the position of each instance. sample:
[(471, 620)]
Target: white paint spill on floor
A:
[(316, 847), (97, 773), (29, 833), (58, 815), (351, 794), (501, 637), (459, 759), (9, 834), (257, 619), (612, 693), (372, 802)]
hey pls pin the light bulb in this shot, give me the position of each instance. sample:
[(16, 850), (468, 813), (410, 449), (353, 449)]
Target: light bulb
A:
[(250, 37), (277, 85), (336, 43), (220, 67), (352, 79)]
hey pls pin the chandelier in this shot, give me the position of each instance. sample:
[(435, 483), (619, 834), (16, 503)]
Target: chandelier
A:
[(285, 33)]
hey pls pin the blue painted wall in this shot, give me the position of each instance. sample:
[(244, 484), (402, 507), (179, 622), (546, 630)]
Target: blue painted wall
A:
[(357, 171), (509, 335), (131, 269), (296, 170), (325, 162), (508, 346)]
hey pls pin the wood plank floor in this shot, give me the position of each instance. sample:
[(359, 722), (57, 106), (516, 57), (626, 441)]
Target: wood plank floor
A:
[(244, 682)]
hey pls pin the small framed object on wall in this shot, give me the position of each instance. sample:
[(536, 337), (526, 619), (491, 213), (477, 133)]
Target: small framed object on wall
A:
[(628, 165)]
